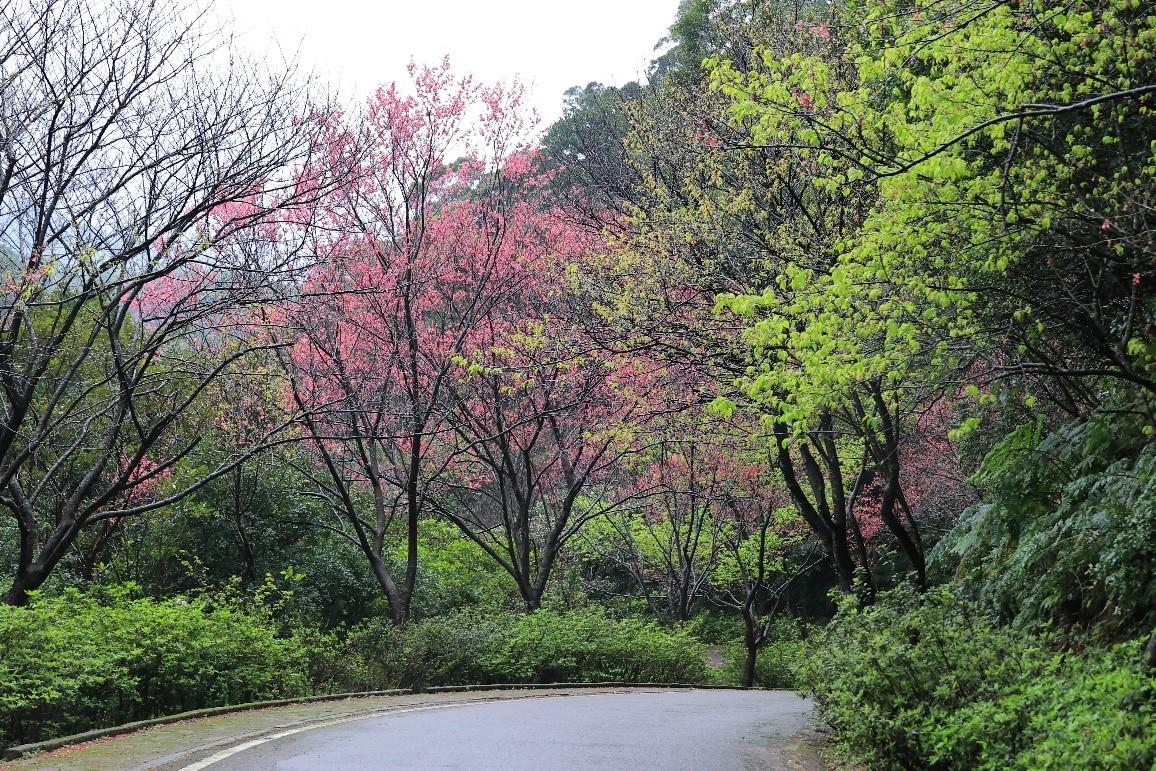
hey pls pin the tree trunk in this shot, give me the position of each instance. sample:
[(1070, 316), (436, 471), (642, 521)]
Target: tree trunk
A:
[(248, 558), (31, 573), (413, 518), (23, 582), (88, 566), (909, 543), (398, 605), (752, 655), (832, 532), (533, 599)]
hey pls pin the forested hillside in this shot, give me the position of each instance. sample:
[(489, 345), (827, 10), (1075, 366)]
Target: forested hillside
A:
[(829, 348)]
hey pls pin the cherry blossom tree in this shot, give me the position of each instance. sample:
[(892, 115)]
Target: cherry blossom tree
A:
[(416, 252), (541, 430)]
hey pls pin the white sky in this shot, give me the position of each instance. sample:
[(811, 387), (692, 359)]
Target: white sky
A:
[(360, 44)]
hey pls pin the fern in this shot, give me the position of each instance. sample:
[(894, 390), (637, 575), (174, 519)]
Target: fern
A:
[(1066, 531)]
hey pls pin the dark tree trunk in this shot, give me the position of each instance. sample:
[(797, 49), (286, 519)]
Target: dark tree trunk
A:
[(752, 657), (888, 460), (18, 592), (248, 558), (752, 643), (832, 533)]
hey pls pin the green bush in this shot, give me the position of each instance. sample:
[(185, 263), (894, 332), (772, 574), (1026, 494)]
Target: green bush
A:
[(454, 573), (332, 664), (446, 650), (76, 662), (715, 627), (586, 646), (542, 647), (933, 683)]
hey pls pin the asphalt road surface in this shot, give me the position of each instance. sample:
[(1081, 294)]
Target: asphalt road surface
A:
[(714, 730)]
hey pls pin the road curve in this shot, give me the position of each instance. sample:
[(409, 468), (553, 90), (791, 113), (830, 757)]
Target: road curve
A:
[(710, 729)]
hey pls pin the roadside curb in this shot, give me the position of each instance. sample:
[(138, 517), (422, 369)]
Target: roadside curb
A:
[(549, 686), (35, 748)]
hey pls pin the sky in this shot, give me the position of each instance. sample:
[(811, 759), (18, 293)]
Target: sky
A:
[(360, 44)]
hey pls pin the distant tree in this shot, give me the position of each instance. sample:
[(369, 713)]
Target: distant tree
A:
[(586, 155), (667, 537)]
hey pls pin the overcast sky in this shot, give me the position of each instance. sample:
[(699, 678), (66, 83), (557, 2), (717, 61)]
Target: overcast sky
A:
[(360, 44)]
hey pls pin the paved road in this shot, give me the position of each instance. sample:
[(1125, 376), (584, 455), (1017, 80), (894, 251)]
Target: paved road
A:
[(715, 730)]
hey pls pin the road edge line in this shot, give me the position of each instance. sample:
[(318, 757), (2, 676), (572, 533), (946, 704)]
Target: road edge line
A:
[(242, 747)]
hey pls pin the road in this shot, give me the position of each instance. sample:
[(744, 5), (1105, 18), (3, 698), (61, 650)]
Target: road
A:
[(710, 729)]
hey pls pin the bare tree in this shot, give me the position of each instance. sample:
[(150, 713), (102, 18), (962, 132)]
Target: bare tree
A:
[(763, 558), (136, 153)]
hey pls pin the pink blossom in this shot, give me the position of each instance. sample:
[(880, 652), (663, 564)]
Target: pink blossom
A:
[(804, 100)]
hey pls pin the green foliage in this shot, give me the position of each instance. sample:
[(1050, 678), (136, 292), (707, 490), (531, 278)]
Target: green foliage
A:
[(1067, 529), (448, 650), (454, 573), (584, 645), (76, 662), (778, 661), (331, 664), (255, 520), (1010, 154), (546, 646), (933, 683), (715, 628)]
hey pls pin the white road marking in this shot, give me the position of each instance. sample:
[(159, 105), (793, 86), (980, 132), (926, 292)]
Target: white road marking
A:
[(223, 754)]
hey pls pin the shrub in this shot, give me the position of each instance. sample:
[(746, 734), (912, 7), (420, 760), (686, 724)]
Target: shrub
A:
[(76, 662), (933, 683), (585, 646), (716, 628), (446, 650), (542, 647), (332, 664)]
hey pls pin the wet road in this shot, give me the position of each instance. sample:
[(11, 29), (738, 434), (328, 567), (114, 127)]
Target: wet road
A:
[(716, 730)]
